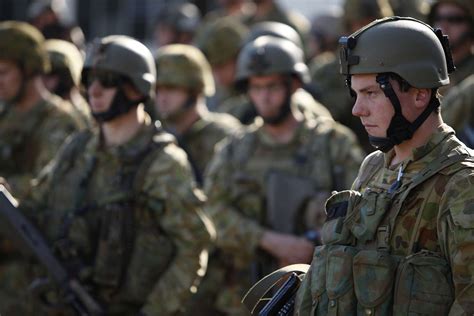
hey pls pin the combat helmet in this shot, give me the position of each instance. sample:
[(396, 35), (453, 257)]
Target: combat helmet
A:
[(184, 66), (24, 44), (66, 59), (276, 29), (222, 40), (184, 17), (269, 55), (124, 56), (408, 48)]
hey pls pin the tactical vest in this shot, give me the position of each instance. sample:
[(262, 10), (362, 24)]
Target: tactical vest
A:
[(355, 273), (97, 239)]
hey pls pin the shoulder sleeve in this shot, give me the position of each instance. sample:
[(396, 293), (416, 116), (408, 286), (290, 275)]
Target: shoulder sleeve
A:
[(170, 180), (456, 235)]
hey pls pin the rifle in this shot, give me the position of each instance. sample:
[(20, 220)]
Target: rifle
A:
[(21, 230)]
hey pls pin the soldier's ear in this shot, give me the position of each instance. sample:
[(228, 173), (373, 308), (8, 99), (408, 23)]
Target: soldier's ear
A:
[(295, 84), (422, 97)]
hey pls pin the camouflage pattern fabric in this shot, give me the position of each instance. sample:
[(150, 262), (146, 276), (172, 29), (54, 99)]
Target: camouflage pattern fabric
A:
[(200, 139), (155, 264), (28, 141), (236, 185), (458, 112), (240, 107), (425, 230)]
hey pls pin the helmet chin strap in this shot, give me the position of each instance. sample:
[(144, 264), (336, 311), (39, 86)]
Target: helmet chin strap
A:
[(400, 129), (120, 105)]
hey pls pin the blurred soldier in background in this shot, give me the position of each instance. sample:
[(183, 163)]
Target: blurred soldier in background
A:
[(326, 29), (64, 77), (456, 19), (417, 9), (267, 184), (458, 110), (118, 203), (240, 9), (47, 16), (325, 70), (32, 128), (183, 80), (177, 23), (270, 10), (241, 107), (221, 41)]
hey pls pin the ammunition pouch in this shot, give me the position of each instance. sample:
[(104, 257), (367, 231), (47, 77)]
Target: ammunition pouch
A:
[(423, 285), (338, 212)]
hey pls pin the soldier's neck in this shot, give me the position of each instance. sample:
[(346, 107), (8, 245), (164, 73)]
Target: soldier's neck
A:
[(33, 93), (263, 8), (182, 123), (420, 138), (123, 128), (284, 132)]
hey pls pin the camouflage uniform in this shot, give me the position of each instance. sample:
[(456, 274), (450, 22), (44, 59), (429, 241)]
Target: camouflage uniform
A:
[(321, 153), (125, 218), (458, 112), (148, 175), (321, 150), (400, 242), (184, 66), (28, 141)]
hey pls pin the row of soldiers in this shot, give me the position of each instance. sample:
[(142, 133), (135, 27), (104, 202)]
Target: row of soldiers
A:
[(139, 208)]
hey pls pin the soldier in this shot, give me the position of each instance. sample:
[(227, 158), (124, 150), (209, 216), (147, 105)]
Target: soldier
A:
[(221, 41), (456, 19), (325, 69), (64, 78), (118, 203), (401, 241), (183, 80), (270, 10), (284, 165), (240, 106), (177, 24), (458, 111), (32, 128)]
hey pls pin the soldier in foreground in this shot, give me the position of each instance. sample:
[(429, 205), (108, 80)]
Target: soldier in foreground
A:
[(273, 161), (32, 128), (401, 241), (183, 80), (118, 204)]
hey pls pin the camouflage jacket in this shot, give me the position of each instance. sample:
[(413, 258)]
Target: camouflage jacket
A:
[(458, 110), (236, 183), (240, 106), (200, 139), (405, 244), (29, 140), (148, 259)]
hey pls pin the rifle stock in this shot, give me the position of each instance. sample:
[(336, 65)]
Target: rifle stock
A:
[(22, 231)]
